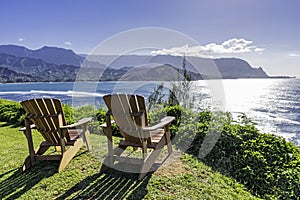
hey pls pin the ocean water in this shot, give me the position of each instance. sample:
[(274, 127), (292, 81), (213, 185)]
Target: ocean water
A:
[(273, 104)]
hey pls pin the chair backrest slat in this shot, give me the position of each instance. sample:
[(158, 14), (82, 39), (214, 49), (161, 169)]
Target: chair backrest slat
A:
[(59, 109), (142, 107), (34, 114), (121, 113), (46, 114), (44, 104), (135, 109), (124, 109)]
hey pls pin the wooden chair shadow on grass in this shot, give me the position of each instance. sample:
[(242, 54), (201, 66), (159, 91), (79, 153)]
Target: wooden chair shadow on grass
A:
[(111, 185), (129, 114), (48, 118), (14, 184)]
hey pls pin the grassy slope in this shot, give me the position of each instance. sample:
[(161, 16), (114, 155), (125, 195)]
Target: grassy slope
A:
[(186, 178)]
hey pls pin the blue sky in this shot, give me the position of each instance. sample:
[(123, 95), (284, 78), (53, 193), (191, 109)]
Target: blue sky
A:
[(268, 30)]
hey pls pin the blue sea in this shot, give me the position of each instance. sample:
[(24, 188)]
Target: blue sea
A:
[(273, 104)]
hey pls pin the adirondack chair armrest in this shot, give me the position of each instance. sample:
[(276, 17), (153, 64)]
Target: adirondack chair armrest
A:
[(79, 123), (163, 122), (104, 125), (32, 126)]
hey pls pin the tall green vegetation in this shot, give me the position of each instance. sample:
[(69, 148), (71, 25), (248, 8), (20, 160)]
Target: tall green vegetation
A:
[(156, 97), (179, 94)]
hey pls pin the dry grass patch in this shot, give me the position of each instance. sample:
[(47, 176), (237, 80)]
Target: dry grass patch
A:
[(175, 168)]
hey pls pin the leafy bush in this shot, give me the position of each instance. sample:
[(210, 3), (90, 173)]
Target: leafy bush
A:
[(88, 111), (101, 115), (11, 112), (175, 111), (267, 164), (182, 117), (68, 113), (101, 118)]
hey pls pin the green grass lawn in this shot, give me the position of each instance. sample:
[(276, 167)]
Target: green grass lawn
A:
[(185, 178)]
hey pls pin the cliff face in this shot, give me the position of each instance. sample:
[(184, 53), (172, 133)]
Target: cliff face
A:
[(214, 68), (238, 68)]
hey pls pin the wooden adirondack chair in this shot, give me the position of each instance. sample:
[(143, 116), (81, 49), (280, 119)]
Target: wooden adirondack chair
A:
[(129, 114), (48, 118)]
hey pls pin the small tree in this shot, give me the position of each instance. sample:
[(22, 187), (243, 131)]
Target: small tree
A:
[(172, 99), (180, 92), (156, 97)]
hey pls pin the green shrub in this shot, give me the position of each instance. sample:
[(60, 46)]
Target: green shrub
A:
[(101, 115), (11, 112), (88, 111), (267, 164), (182, 117), (85, 111), (68, 113), (101, 118), (175, 111)]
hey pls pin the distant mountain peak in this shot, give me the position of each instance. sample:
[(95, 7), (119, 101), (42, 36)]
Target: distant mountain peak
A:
[(54, 48), (49, 54)]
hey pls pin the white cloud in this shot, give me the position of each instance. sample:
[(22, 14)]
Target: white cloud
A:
[(258, 49), (68, 43), (231, 46), (294, 55), (21, 39)]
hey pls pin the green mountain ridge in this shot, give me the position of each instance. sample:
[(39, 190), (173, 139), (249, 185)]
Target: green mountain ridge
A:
[(19, 65)]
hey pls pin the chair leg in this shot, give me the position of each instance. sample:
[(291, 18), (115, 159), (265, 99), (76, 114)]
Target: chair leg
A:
[(26, 165), (148, 163), (28, 161), (169, 143), (86, 138), (109, 159), (28, 135), (69, 154), (144, 149), (168, 138)]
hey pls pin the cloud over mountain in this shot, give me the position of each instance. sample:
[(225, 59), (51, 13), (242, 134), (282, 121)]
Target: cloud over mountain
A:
[(68, 43), (231, 46)]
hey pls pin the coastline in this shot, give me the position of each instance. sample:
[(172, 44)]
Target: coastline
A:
[(224, 78)]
